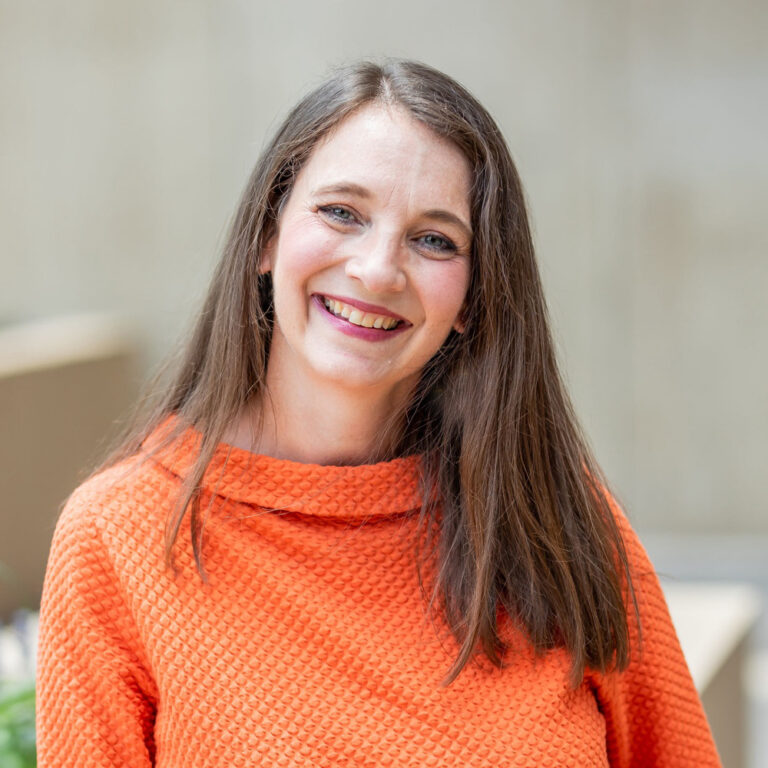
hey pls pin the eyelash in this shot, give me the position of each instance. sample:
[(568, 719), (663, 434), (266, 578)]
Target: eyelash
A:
[(332, 212)]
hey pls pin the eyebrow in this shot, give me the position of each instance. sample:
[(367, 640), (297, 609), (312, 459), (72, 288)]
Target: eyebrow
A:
[(449, 218), (343, 188), (437, 214)]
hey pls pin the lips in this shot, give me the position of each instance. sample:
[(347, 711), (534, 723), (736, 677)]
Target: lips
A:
[(362, 314)]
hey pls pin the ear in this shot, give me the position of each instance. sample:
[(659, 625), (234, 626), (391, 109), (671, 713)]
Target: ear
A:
[(267, 259), (460, 323)]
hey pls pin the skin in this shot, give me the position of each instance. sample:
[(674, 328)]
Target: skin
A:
[(378, 215)]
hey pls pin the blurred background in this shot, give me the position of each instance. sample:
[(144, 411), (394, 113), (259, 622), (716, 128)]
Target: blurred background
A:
[(127, 131)]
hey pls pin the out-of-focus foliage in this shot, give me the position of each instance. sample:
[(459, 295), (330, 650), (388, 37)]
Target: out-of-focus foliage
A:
[(18, 639), (17, 725)]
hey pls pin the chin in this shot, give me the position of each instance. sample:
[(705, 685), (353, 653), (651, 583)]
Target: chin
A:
[(348, 377), (354, 374)]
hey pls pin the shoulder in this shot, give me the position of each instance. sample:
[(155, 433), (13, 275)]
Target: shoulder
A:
[(121, 508), (649, 618), (639, 563)]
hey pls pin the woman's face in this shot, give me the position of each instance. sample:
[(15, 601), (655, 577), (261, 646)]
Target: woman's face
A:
[(370, 263)]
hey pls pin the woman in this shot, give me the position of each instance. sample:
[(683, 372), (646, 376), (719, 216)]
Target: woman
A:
[(361, 526)]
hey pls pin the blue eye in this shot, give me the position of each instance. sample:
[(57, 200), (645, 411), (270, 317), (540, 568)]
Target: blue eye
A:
[(337, 213), (438, 243)]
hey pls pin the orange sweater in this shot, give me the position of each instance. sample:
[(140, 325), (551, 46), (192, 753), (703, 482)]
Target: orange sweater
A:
[(309, 645)]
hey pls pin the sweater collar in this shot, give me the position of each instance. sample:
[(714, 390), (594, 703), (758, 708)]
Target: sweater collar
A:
[(365, 491)]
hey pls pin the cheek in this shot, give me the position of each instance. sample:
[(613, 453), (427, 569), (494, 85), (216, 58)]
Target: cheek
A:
[(301, 253), (445, 292)]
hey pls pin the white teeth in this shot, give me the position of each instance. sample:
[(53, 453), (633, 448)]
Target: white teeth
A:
[(358, 317)]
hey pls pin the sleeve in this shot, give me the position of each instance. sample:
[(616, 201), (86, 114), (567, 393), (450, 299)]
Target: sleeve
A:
[(652, 711), (96, 701)]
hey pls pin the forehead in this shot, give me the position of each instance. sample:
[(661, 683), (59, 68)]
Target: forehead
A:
[(387, 151)]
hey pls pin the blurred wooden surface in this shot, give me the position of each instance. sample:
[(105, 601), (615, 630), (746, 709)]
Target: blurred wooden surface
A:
[(63, 384)]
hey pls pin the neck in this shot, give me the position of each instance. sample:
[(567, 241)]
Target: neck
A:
[(319, 425)]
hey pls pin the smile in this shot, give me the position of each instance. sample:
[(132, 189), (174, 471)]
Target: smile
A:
[(356, 316)]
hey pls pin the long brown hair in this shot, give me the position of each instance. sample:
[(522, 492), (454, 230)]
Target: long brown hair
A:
[(522, 514)]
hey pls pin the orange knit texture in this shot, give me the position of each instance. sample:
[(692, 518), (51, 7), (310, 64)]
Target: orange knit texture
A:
[(310, 644)]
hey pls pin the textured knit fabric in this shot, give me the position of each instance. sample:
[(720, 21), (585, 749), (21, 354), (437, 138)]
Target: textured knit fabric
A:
[(309, 645)]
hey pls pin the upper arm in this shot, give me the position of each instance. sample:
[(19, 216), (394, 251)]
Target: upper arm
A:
[(95, 697), (652, 711)]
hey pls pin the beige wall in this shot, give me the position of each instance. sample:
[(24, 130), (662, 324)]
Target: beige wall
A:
[(128, 129)]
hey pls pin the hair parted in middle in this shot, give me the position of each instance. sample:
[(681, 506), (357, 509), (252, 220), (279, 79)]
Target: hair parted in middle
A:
[(520, 513)]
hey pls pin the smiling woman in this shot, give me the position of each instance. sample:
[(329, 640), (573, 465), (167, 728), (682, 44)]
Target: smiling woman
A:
[(370, 269), (400, 550)]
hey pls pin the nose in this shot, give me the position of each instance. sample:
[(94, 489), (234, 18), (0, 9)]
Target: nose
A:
[(378, 263)]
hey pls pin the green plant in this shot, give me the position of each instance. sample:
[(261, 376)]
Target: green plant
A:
[(17, 725)]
